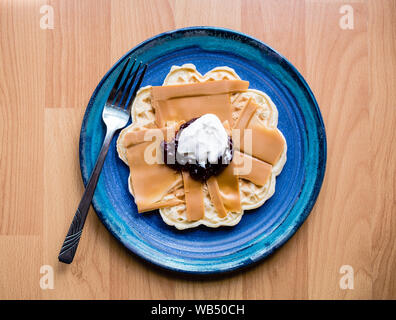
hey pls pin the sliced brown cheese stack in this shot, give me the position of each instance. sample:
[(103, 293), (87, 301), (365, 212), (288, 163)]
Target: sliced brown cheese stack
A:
[(188, 101), (267, 147), (267, 144), (151, 182), (224, 188)]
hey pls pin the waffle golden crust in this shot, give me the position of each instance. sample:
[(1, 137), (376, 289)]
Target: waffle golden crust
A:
[(252, 195)]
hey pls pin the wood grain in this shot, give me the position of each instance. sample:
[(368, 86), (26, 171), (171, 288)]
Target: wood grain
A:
[(134, 21), (382, 116), (280, 24), (217, 13), (62, 191), (77, 50), (22, 78), (47, 78), (20, 267), (339, 235)]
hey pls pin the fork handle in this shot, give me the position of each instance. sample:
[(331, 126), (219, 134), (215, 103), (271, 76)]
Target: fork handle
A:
[(72, 239)]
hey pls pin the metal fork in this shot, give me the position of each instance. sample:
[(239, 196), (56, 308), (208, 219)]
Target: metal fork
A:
[(115, 115)]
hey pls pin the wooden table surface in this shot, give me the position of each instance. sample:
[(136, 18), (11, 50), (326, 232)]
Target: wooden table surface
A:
[(48, 75)]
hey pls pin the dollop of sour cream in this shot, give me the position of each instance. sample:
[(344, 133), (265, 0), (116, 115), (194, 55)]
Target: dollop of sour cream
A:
[(204, 140)]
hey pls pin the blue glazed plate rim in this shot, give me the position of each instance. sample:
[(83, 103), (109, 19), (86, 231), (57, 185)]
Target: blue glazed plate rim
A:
[(287, 233)]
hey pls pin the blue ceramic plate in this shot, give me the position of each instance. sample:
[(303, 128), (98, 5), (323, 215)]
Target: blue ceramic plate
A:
[(203, 250)]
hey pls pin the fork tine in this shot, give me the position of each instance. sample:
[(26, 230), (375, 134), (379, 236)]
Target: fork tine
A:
[(129, 101), (127, 91), (114, 90), (120, 93)]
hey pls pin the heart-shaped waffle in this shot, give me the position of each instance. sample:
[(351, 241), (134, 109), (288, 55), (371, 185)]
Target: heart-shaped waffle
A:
[(252, 195)]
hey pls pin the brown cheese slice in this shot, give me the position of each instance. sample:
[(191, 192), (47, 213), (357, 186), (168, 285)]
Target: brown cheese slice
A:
[(224, 189), (228, 187), (227, 127), (198, 89), (148, 134), (151, 182), (188, 101), (215, 195), (194, 197), (246, 115), (251, 169), (267, 144), (144, 207), (140, 136)]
